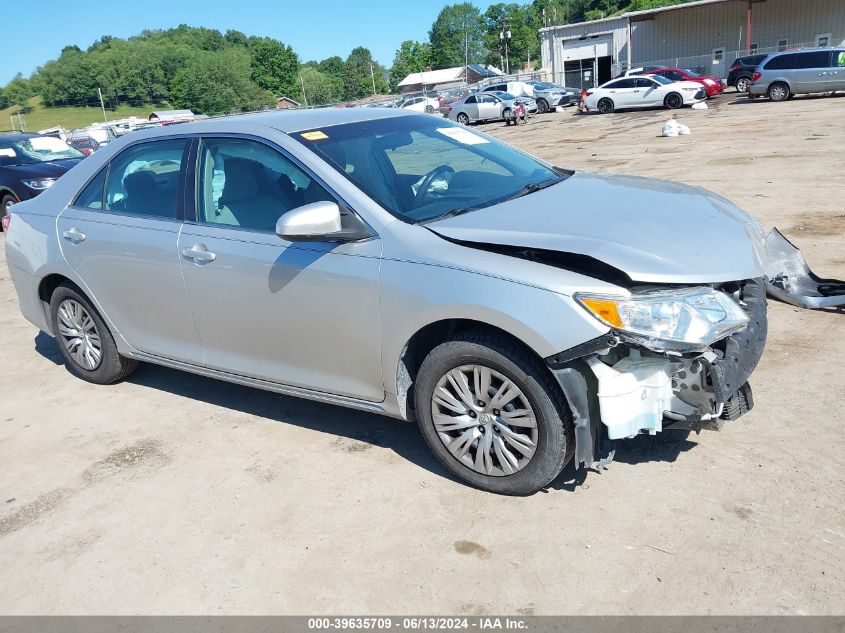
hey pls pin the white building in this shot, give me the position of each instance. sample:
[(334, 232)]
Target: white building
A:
[(446, 78), (706, 35)]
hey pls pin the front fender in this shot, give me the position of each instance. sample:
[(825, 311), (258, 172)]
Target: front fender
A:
[(414, 295)]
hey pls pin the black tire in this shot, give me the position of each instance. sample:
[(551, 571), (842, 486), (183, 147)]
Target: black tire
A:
[(605, 106), (463, 118), (742, 84), (778, 91), (429, 109), (112, 366), (542, 106), (6, 202), (555, 443), (673, 101)]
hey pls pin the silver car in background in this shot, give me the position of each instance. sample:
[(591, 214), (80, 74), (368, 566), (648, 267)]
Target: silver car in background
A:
[(782, 75), (487, 106), (523, 314)]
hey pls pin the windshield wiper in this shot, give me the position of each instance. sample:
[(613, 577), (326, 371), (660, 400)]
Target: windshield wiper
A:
[(450, 214), (533, 187)]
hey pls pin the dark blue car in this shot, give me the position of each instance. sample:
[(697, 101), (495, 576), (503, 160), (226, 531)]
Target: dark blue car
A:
[(29, 163)]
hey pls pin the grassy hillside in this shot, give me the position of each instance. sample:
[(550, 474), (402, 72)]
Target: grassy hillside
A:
[(40, 117)]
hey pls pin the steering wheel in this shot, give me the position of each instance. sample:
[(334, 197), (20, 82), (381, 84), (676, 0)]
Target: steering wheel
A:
[(422, 192)]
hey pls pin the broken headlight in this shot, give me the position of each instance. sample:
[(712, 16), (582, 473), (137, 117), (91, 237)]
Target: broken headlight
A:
[(677, 319)]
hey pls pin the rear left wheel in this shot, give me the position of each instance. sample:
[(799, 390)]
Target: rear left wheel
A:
[(493, 415), (463, 119), (84, 339), (605, 106)]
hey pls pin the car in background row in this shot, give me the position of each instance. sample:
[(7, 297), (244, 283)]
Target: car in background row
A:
[(639, 70), (742, 70), (29, 164), (712, 85), (421, 104), (782, 75), (482, 106), (547, 95), (642, 92)]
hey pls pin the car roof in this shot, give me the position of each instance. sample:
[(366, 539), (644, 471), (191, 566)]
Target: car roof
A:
[(287, 121), (18, 136)]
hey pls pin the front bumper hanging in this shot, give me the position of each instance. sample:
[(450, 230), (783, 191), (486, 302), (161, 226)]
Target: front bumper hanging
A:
[(641, 392)]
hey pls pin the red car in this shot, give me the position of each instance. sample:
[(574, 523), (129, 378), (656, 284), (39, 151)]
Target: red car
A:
[(712, 85)]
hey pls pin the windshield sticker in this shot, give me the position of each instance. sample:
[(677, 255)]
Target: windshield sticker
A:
[(314, 136), (7, 152), (462, 136)]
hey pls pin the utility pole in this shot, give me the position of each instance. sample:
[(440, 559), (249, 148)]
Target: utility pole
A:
[(466, 57), (505, 36), (304, 98), (102, 105), (373, 77)]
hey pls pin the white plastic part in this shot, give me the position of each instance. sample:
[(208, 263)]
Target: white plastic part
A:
[(633, 394)]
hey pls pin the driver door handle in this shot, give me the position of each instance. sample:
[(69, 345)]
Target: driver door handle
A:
[(199, 254), (73, 234)]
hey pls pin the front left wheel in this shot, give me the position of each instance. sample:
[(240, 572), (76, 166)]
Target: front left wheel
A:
[(493, 415), (673, 101), (84, 339)]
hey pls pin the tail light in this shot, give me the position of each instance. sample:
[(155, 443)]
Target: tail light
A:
[(447, 109), (7, 220), (755, 77)]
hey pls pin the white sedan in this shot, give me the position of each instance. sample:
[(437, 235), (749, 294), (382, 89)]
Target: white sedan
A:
[(646, 91)]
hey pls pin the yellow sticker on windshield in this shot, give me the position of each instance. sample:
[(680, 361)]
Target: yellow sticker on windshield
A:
[(314, 136)]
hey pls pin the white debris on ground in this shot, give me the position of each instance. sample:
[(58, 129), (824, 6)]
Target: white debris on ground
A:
[(700, 106), (673, 128)]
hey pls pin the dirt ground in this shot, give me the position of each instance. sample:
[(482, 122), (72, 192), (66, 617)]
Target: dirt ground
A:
[(171, 493)]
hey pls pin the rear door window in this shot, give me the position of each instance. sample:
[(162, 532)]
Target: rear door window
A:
[(91, 197), (815, 59), (782, 62), (144, 179)]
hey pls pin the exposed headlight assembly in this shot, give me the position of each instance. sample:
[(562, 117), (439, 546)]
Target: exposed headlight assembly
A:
[(39, 183), (683, 319)]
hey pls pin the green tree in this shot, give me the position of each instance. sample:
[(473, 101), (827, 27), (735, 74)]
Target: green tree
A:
[(275, 67), (456, 35), (361, 73), (524, 42), (320, 89), (217, 83), (411, 57), (335, 69), (18, 91)]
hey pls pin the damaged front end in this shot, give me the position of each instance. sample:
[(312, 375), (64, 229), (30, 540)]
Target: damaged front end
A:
[(627, 382)]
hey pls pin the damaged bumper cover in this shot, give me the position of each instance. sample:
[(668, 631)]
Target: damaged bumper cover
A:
[(789, 278), (617, 389)]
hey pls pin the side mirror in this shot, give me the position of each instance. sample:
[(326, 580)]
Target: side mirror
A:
[(320, 221)]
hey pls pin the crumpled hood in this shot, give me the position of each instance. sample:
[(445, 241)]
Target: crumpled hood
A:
[(653, 230)]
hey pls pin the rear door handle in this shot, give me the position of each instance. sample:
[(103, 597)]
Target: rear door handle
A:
[(199, 253), (73, 234)]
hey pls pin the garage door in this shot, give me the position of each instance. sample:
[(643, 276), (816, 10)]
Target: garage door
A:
[(589, 48)]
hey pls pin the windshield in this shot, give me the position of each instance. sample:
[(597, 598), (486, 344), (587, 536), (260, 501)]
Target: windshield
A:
[(660, 79), (691, 73), (504, 95), (421, 168), (38, 149)]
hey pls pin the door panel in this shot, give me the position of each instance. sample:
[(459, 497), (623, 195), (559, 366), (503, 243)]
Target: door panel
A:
[(304, 314), (301, 315), (836, 72), (130, 266), (121, 240), (812, 71)]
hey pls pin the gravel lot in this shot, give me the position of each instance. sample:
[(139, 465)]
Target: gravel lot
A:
[(171, 493)]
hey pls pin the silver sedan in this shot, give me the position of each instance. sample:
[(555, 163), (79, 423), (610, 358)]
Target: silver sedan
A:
[(486, 106), (522, 314)]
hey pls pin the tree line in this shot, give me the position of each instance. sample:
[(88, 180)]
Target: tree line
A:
[(216, 73)]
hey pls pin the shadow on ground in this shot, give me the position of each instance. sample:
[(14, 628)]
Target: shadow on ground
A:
[(403, 438)]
